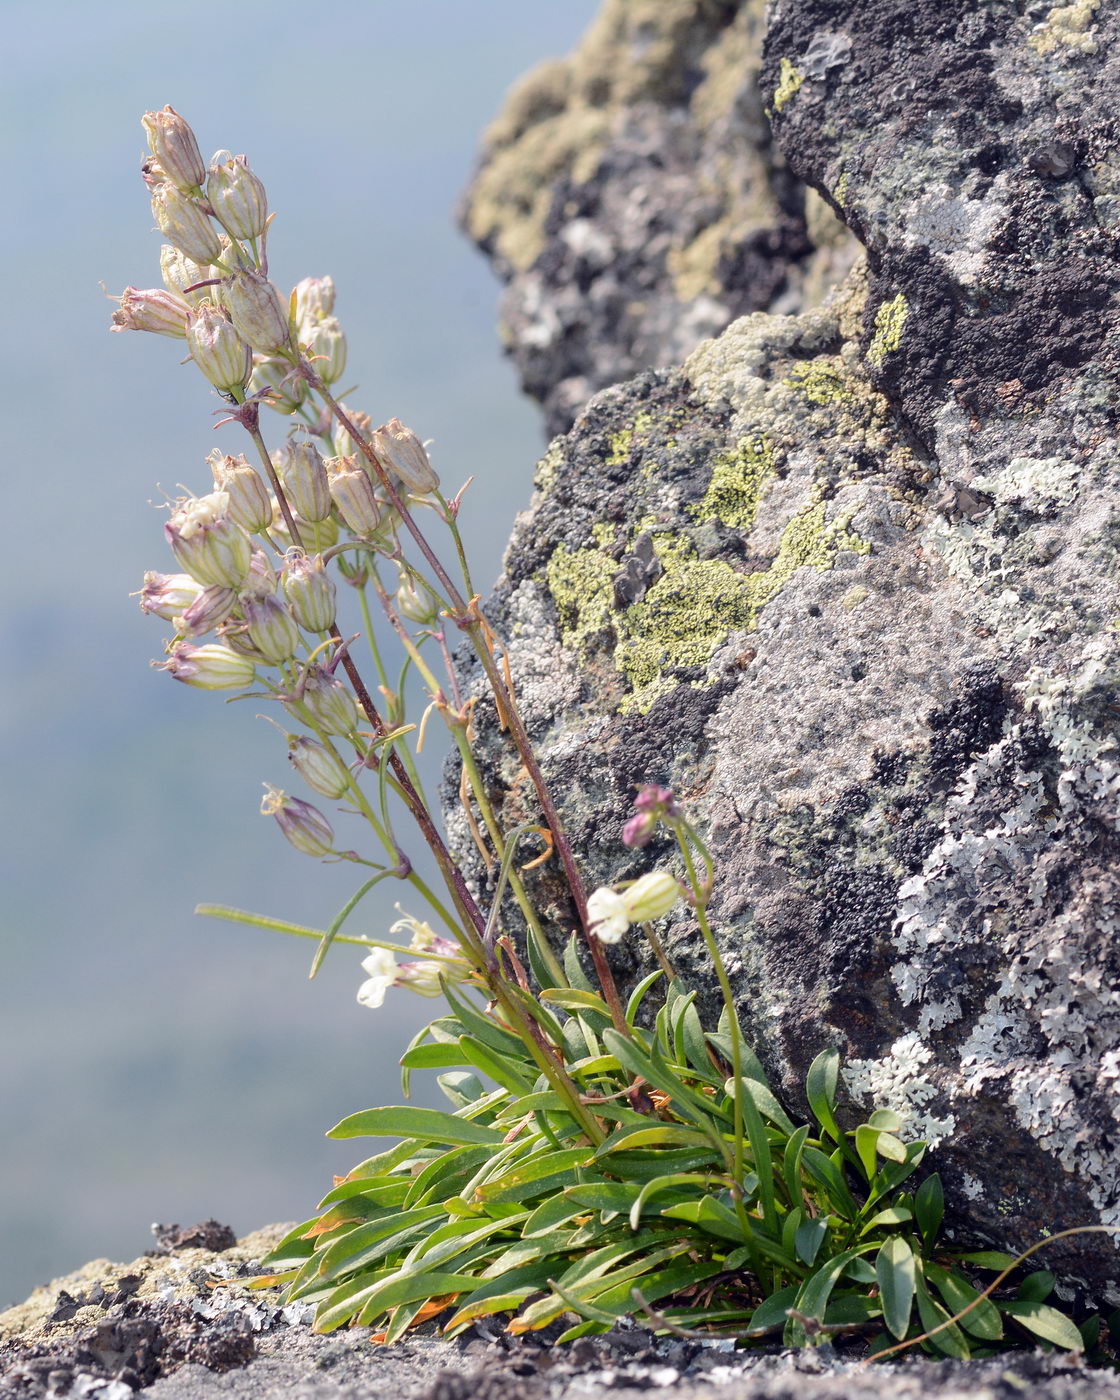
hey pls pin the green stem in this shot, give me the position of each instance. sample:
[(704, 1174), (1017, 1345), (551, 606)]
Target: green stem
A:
[(728, 1001)]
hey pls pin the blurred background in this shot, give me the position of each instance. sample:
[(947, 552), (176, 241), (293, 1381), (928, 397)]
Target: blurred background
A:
[(155, 1066)]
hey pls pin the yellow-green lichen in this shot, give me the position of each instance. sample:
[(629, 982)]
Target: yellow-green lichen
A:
[(547, 468), (620, 443), (736, 484), (1067, 26), (889, 321), (789, 80), (580, 583), (692, 607), (840, 192), (821, 383)]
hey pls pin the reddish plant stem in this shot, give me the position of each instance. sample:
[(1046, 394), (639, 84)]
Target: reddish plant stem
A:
[(453, 876), (468, 618)]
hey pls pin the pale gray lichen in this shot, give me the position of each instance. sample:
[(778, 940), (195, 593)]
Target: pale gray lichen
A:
[(898, 1082)]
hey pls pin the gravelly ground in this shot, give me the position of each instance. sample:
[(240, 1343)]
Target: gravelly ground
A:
[(161, 1327)]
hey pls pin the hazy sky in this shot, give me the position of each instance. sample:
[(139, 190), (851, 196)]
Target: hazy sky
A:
[(154, 1066)]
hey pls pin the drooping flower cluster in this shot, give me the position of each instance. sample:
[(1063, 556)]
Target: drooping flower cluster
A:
[(253, 601)]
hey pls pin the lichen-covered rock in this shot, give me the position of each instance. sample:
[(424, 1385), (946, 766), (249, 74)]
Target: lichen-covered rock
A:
[(631, 197), (848, 581)]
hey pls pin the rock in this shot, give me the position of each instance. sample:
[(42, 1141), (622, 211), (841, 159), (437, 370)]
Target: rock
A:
[(848, 581), (632, 198)]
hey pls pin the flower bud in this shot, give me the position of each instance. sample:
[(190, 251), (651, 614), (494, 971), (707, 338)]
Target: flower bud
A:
[(212, 606), (217, 349), (400, 450), (236, 196), (353, 495), (171, 141), (210, 667), (155, 309), (262, 580), (317, 766), (304, 479), (651, 896), (304, 826), (287, 388), (330, 703), (206, 543), (250, 505), (314, 298), (326, 349), (345, 445), (417, 604), (271, 628), (182, 222), (168, 595), (310, 591), (607, 915), (180, 272), (256, 310), (638, 830)]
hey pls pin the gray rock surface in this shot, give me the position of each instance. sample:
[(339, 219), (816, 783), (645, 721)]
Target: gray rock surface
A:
[(848, 582), (185, 1327), (631, 197)]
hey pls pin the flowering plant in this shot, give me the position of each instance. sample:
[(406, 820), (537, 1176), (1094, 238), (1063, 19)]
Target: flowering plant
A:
[(602, 1155)]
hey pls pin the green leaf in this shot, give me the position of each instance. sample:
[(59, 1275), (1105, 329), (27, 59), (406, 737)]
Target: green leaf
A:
[(638, 995), (763, 1099), (710, 1215), (420, 1124), (823, 1170), (983, 1321), (576, 975), (1037, 1287), (820, 1090), (370, 1243), (929, 1208), (791, 1162), (895, 1273), (500, 1068), (547, 1171), (812, 1298), (652, 1135), (886, 1120), (893, 1215), (760, 1153), (408, 1288), (1045, 1322), (994, 1259), (611, 1197), (693, 1042), (503, 1294), (771, 1312), (950, 1341), (809, 1238), (463, 1088), (851, 1310), (446, 1175), (437, 1055), (484, 1027), (671, 1182)]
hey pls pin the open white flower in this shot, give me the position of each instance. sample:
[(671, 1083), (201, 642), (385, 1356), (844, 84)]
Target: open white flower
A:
[(381, 966), (607, 914)]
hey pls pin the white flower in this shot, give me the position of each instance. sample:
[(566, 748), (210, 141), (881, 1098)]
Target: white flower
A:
[(607, 914), (382, 968)]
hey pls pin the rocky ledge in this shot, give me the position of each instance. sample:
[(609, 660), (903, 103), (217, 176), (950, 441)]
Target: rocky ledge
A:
[(181, 1324)]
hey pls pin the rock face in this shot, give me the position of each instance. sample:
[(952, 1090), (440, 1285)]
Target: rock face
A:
[(847, 580), (632, 198)]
